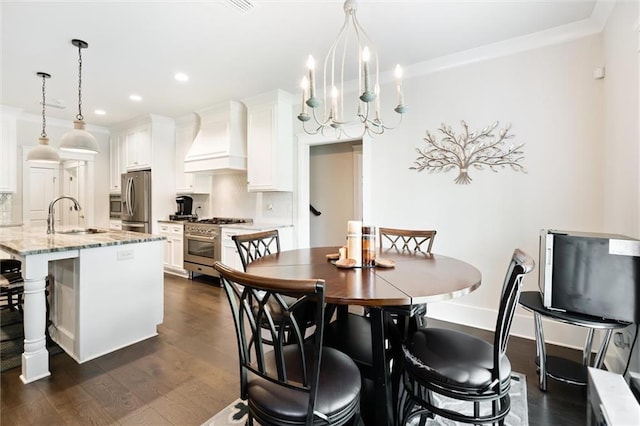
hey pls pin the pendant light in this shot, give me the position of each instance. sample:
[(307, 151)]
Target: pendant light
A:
[(78, 139), (42, 151)]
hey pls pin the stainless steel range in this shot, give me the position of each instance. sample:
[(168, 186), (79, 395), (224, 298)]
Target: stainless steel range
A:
[(203, 245)]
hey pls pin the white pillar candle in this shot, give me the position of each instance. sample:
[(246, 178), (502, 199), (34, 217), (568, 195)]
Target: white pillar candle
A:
[(354, 241), (311, 65), (365, 66), (334, 103), (399, 85)]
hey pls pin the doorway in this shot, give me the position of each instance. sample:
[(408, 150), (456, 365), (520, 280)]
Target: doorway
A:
[(73, 185), (305, 142), (43, 182), (335, 191), (40, 188)]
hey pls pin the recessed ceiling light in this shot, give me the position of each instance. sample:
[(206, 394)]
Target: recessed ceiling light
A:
[(99, 112), (181, 77), (135, 98)]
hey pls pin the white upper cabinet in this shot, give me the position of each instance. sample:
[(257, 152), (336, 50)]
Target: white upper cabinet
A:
[(188, 183), (116, 165), (270, 142), (8, 147), (138, 148)]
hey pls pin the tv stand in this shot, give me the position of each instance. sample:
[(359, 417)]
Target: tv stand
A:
[(560, 368)]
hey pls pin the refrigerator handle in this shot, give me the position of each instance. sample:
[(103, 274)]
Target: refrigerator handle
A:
[(133, 197), (129, 201), (125, 196)]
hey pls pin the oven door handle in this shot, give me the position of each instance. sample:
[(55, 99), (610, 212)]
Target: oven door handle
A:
[(199, 238)]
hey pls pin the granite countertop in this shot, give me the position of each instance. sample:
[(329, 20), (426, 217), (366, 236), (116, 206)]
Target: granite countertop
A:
[(34, 240)]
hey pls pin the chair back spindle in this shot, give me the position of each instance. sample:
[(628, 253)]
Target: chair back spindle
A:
[(256, 245), (406, 239)]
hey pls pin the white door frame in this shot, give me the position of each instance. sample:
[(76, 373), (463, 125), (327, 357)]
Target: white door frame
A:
[(305, 141), (89, 184)]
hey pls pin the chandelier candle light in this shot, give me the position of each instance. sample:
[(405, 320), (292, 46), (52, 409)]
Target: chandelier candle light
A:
[(366, 106), (42, 151), (78, 139)]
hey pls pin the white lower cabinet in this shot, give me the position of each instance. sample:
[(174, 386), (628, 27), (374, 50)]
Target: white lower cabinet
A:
[(115, 224), (173, 247), (230, 255)]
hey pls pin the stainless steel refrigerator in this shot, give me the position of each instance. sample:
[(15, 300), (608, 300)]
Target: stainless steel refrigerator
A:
[(136, 201)]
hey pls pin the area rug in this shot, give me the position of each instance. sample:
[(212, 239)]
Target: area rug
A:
[(12, 336), (236, 412)]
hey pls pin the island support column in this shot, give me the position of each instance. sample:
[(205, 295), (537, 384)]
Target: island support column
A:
[(35, 359)]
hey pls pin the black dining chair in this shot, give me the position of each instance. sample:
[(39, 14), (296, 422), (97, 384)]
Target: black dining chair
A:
[(301, 382), (413, 240), (11, 285), (352, 332), (457, 365), (255, 245), (252, 247)]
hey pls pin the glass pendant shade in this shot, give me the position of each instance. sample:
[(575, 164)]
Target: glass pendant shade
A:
[(79, 140), (43, 152)]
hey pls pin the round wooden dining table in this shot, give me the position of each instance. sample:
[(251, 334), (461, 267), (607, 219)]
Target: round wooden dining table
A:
[(415, 278)]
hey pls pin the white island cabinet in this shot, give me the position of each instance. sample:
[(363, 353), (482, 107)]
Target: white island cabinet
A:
[(173, 247), (106, 290)]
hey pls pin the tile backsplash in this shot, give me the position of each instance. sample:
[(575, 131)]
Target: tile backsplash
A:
[(5, 208)]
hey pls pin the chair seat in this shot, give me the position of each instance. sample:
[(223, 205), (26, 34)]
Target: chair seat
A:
[(11, 280), (452, 359), (338, 389)]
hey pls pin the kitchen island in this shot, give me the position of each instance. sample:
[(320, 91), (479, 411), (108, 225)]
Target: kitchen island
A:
[(106, 291)]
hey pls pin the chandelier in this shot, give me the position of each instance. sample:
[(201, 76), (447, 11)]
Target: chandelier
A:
[(78, 139), (43, 151), (330, 109)]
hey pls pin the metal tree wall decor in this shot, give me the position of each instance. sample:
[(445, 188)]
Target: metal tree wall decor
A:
[(480, 149)]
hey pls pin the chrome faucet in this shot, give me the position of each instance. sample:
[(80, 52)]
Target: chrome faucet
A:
[(51, 229)]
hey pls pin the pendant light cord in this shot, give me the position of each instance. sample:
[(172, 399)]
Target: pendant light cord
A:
[(44, 117), (79, 116)]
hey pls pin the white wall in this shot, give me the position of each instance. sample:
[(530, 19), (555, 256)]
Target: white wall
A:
[(620, 140), (554, 106)]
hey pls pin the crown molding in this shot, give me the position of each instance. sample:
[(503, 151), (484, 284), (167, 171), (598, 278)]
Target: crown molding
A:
[(557, 35)]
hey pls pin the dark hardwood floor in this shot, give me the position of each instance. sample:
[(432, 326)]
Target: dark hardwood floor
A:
[(189, 372)]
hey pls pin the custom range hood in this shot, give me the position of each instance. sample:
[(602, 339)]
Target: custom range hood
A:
[(220, 144)]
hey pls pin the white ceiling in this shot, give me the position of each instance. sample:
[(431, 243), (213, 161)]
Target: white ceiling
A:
[(137, 46)]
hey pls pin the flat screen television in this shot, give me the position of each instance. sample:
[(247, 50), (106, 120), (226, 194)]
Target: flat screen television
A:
[(591, 274)]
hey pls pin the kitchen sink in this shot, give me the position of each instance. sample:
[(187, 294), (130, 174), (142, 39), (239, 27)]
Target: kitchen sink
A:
[(83, 231)]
